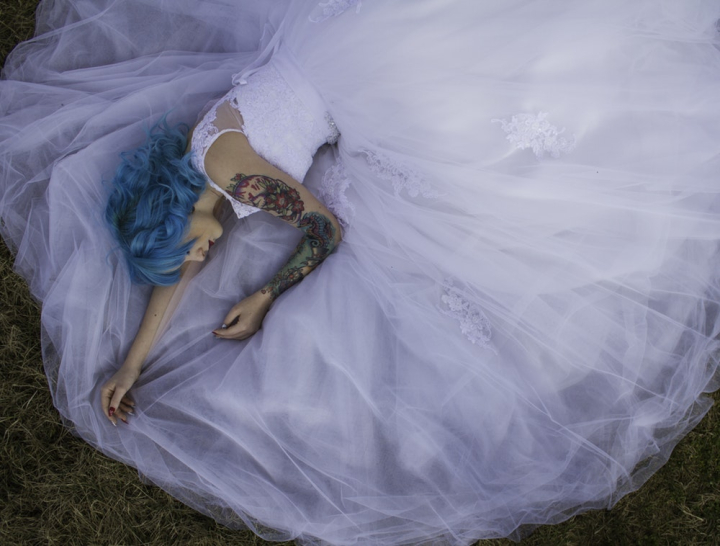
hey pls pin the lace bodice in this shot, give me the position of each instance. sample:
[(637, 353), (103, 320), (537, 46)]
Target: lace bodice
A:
[(283, 128)]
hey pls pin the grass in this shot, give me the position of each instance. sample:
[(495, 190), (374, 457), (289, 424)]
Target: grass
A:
[(57, 490)]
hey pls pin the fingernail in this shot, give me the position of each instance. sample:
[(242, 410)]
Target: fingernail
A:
[(111, 412), (124, 421), (114, 423), (224, 326), (131, 413)]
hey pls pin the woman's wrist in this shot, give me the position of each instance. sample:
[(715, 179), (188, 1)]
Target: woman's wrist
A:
[(137, 355), (265, 295)]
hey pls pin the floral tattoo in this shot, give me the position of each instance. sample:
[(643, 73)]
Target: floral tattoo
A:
[(269, 194), (277, 197), (319, 241)]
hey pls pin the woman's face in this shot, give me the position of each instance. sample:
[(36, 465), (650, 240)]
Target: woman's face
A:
[(206, 229)]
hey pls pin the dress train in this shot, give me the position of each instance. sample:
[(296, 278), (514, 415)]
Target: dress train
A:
[(523, 314)]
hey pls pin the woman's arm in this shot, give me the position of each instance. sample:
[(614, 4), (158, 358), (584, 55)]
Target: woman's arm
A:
[(232, 164), (283, 199), (113, 394), (115, 403)]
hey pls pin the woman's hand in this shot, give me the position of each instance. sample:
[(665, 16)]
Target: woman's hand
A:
[(115, 403), (245, 318)]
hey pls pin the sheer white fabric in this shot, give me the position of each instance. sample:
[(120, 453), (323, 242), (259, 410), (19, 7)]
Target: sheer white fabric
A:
[(499, 342)]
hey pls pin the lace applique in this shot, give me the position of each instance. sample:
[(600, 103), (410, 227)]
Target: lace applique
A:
[(332, 8), (473, 322), (332, 192), (534, 131), (401, 176)]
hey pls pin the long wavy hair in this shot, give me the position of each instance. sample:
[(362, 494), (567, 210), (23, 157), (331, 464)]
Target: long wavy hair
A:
[(153, 192)]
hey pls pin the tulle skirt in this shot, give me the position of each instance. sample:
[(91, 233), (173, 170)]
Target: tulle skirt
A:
[(520, 321)]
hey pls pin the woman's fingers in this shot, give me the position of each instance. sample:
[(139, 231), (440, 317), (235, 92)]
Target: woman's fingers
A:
[(244, 319), (120, 414), (115, 411), (230, 325), (113, 395), (236, 331), (231, 319), (105, 398)]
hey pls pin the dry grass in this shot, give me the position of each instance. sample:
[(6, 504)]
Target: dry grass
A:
[(58, 490)]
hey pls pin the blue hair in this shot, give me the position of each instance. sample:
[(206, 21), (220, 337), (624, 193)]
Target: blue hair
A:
[(154, 190)]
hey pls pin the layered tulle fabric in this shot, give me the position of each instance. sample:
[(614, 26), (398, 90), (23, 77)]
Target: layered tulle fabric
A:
[(520, 321)]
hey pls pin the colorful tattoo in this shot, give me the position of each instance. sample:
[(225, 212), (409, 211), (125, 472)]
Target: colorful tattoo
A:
[(319, 241), (276, 197), (269, 194)]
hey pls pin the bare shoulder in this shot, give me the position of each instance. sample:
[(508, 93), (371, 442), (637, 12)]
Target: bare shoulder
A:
[(230, 153)]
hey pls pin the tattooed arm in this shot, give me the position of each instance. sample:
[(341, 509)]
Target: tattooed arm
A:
[(322, 233), (232, 164)]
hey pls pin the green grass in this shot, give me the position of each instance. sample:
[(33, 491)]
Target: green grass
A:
[(55, 489)]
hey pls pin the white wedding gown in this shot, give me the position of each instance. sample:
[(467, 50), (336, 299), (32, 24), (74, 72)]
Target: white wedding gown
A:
[(520, 321)]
